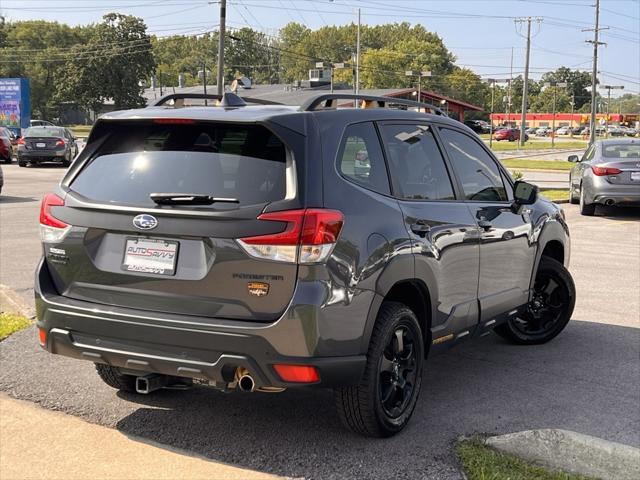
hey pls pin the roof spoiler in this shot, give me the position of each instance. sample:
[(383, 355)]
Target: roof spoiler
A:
[(329, 101), (227, 100)]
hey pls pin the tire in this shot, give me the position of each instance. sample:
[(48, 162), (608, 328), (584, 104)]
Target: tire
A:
[(572, 198), (587, 209), (112, 377), (521, 329), (66, 163), (362, 407), (22, 163)]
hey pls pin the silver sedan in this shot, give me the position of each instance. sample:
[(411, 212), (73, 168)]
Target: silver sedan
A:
[(607, 174)]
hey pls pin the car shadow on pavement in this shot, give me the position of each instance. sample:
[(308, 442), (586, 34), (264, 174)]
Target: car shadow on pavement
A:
[(10, 199), (618, 213), (586, 380)]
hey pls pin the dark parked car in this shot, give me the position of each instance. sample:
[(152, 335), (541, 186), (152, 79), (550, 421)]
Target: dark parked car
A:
[(46, 144), (510, 134), (239, 248), (6, 148), (607, 174), (478, 126)]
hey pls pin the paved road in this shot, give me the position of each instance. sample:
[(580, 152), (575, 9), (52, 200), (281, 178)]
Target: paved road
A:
[(547, 179), (586, 380)]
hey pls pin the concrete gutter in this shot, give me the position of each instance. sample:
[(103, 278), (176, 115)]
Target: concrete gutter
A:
[(11, 302), (572, 452)]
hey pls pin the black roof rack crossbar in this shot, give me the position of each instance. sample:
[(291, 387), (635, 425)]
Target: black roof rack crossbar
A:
[(329, 101), (226, 100)]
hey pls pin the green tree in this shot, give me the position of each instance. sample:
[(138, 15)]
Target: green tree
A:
[(544, 101), (577, 83), (112, 65)]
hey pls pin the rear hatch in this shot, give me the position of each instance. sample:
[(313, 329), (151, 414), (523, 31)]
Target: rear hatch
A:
[(622, 163), (176, 254)]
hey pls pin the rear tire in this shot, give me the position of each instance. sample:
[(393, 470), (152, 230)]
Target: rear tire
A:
[(22, 163), (112, 377), (383, 402), (572, 197), (547, 318), (587, 209)]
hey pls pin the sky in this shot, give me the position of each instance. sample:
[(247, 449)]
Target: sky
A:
[(481, 33)]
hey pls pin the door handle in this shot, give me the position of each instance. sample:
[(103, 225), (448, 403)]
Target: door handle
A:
[(420, 228), (486, 225)]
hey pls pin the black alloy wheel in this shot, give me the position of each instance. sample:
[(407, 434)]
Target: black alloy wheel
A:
[(397, 372), (548, 311), (383, 402)]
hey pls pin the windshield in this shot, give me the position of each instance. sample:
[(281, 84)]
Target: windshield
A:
[(622, 150), (44, 132)]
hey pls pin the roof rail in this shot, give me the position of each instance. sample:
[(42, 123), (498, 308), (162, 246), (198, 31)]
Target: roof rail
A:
[(329, 101), (228, 99)]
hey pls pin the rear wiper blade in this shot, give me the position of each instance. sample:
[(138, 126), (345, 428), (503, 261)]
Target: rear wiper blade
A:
[(189, 199)]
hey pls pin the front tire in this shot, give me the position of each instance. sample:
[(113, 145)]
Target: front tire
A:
[(112, 377), (383, 402), (550, 309)]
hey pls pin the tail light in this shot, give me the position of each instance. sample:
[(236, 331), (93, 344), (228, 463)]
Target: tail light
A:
[(20, 141), (60, 143), (309, 236), (601, 171), (52, 229)]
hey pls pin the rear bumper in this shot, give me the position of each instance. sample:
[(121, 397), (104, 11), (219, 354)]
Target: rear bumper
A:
[(42, 155), (135, 340), (599, 190)]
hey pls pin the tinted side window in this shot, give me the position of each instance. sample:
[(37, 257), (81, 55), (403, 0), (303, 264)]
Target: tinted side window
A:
[(477, 171), (416, 164), (360, 158)]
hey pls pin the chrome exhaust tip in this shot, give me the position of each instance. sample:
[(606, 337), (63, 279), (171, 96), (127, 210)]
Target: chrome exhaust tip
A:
[(246, 383)]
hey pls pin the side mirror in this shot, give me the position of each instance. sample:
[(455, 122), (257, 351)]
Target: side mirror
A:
[(525, 193), (573, 158)]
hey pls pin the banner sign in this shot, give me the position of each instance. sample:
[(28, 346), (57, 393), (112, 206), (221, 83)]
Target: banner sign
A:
[(15, 104)]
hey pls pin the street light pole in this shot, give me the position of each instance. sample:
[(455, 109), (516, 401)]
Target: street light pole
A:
[(411, 73), (358, 56), (606, 119), (553, 118)]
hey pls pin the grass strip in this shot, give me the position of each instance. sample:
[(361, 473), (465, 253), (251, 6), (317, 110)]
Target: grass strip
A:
[(11, 323), (483, 463)]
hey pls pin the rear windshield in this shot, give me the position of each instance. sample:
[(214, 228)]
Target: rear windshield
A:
[(246, 162), (622, 150), (44, 132)]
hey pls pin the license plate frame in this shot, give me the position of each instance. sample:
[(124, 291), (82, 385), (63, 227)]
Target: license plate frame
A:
[(150, 255), (41, 145), (635, 176)]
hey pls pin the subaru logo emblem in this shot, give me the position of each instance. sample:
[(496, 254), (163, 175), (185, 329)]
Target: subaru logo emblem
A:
[(145, 222)]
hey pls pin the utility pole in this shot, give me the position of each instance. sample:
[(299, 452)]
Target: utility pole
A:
[(609, 88), (221, 34), (594, 73), (525, 86), (493, 92), (358, 56), (509, 91)]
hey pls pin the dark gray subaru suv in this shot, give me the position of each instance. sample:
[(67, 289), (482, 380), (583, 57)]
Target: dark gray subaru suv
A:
[(261, 248)]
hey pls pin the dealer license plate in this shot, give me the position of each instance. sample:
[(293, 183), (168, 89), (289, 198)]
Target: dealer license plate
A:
[(635, 176), (150, 255)]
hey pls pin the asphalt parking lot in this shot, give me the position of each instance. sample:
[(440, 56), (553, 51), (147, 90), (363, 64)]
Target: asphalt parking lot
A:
[(586, 380)]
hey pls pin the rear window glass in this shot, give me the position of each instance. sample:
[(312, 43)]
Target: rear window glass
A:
[(622, 150), (44, 132), (246, 162)]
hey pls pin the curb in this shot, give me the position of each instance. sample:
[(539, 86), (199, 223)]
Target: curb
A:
[(12, 302), (572, 452)]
